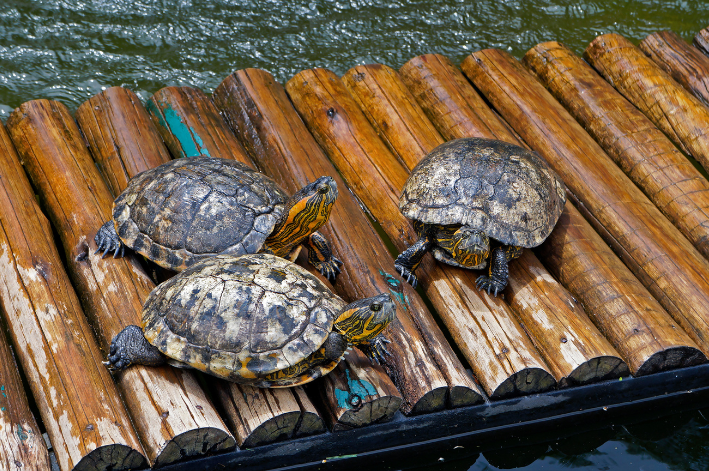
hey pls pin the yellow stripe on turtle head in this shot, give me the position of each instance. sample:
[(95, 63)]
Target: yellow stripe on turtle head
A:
[(363, 320)]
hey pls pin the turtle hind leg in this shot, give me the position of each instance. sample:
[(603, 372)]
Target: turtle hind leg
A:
[(130, 347), (320, 256), (496, 280), (408, 260), (107, 240)]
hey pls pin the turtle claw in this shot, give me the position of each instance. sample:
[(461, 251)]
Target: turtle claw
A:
[(490, 284), (406, 274), (330, 268), (107, 240), (376, 349)]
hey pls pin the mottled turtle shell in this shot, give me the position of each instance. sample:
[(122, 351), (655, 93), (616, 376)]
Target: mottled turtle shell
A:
[(192, 208), (240, 318), (502, 189)]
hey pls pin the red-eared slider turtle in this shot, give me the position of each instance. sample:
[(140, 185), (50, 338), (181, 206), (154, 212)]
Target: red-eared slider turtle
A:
[(254, 319), (470, 190), (188, 209)]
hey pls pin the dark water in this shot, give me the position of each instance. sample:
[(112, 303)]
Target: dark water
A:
[(69, 50)]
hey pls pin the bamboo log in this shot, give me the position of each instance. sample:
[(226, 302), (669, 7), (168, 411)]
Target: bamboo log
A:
[(664, 261), (637, 326), (541, 304), (701, 40), (259, 111), (672, 108), (22, 447), (684, 63), (500, 353), (197, 134), (131, 160), (115, 124), (630, 139), (215, 125), (80, 406), (171, 413)]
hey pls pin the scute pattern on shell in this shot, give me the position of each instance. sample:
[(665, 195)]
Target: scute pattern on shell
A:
[(240, 317), (502, 189), (192, 208)]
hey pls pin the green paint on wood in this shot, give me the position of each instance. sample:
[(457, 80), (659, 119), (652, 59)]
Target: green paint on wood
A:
[(192, 145), (358, 387), (396, 288), (21, 434)]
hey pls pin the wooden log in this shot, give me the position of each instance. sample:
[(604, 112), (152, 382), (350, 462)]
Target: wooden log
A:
[(701, 40), (673, 109), (501, 355), (541, 304), (687, 65), (81, 408), (172, 415), (629, 137), (637, 326), (197, 134), (258, 110), (131, 161), (115, 123), (657, 253), (22, 446), (215, 125)]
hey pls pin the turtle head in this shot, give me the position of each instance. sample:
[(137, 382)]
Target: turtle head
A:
[(363, 320), (305, 212), (470, 246)]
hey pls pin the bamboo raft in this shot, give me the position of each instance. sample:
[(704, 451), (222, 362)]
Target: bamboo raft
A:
[(607, 319)]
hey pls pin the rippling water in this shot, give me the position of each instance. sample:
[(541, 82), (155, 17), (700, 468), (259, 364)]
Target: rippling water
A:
[(71, 49)]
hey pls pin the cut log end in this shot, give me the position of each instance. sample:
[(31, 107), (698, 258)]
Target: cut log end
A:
[(596, 369), (381, 409), (460, 396), (671, 358), (432, 401), (281, 427), (310, 424), (193, 443), (112, 457), (526, 381)]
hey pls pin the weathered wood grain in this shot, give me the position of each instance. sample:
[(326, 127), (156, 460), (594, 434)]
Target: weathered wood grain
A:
[(172, 415), (213, 124), (80, 406), (644, 153), (701, 40), (613, 298), (499, 352), (686, 64), (115, 123), (131, 159), (657, 253), (541, 304), (423, 364), (22, 447), (673, 109)]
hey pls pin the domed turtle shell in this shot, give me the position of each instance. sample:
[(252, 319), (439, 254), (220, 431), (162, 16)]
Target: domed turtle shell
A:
[(241, 318), (502, 189), (197, 207)]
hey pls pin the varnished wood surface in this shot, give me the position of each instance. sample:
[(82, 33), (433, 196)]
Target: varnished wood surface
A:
[(423, 365), (614, 299), (674, 110), (172, 415), (61, 360), (634, 143), (115, 123), (22, 446), (686, 64), (500, 353), (541, 304), (657, 253)]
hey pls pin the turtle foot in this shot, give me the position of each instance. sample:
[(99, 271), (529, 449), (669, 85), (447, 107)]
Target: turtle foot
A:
[(329, 268), (376, 349), (406, 274), (130, 347), (490, 284), (107, 240)]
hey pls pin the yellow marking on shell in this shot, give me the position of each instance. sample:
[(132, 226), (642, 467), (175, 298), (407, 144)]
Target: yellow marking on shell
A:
[(244, 371)]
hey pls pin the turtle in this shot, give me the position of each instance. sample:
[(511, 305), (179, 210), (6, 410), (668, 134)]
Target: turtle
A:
[(188, 209), (474, 200), (253, 319)]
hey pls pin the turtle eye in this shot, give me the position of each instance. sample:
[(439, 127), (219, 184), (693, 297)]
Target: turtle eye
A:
[(323, 189), (376, 307)]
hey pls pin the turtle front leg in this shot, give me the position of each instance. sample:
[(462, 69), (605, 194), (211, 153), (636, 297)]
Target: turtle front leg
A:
[(376, 349), (408, 260), (130, 347), (499, 272), (320, 256), (107, 240)]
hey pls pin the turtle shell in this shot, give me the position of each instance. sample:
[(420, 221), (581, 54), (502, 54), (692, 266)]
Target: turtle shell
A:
[(188, 209), (502, 189), (240, 318)]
